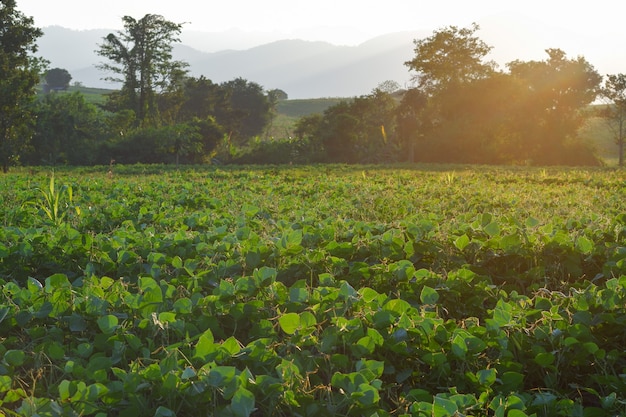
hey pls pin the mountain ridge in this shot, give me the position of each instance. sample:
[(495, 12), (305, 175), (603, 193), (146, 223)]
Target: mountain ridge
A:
[(317, 69), (302, 68)]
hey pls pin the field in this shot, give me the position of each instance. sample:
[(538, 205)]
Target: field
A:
[(313, 291)]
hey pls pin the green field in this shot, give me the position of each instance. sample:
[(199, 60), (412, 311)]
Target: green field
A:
[(313, 291)]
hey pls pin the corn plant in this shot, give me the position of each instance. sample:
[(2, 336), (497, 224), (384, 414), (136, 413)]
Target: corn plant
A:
[(56, 202)]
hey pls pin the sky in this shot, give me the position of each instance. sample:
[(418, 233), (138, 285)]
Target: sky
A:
[(337, 21), (594, 30)]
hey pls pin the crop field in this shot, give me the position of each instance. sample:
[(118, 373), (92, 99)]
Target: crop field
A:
[(313, 291)]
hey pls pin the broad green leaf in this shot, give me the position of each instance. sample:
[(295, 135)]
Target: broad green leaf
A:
[(77, 323), (177, 262), (461, 242), (242, 403), (205, 345), (492, 229), (5, 383), (366, 395), (544, 359), (56, 282), (442, 407), (220, 376), (108, 324), (397, 306), (289, 322), (188, 373), (486, 377), (14, 357), (516, 413), (429, 296), (307, 319), (584, 245), (164, 412), (459, 349)]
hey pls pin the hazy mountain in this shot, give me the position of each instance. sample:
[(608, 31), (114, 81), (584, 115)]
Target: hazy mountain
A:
[(303, 69), (307, 69)]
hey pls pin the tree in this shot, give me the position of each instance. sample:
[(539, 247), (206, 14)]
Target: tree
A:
[(247, 109), (57, 79), (19, 74), (557, 90), (614, 91), (142, 61), (68, 131), (449, 57)]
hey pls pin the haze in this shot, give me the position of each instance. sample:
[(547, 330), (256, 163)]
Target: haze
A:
[(515, 30), (339, 22)]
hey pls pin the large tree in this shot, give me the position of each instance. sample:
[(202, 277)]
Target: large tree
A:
[(614, 90), (141, 59), (19, 74), (57, 79), (557, 90), (449, 57), (246, 110)]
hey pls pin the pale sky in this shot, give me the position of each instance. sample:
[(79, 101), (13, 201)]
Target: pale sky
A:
[(592, 29), (337, 21)]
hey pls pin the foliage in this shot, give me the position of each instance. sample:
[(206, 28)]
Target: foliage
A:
[(19, 74), (141, 58), (69, 130), (57, 79), (247, 110), (558, 89), (614, 90), (331, 290), (450, 57)]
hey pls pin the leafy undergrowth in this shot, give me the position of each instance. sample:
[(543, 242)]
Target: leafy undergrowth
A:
[(344, 291)]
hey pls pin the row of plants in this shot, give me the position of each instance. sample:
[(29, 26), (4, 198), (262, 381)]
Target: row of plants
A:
[(329, 290)]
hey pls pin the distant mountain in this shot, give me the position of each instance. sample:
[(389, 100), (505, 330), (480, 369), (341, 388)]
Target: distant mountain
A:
[(307, 69), (303, 69)]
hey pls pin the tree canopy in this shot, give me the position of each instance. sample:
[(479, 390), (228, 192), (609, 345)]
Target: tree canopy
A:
[(451, 56), (141, 59), (614, 90), (57, 79), (19, 74)]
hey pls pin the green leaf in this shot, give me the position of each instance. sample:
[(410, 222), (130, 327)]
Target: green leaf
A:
[(486, 377), (220, 376), (77, 323), (429, 296), (544, 359), (56, 282), (188, 373), (289, 322), (397, 306), (242, 403), (164, 412), (516, 413), (108, 324), (5, 383), (205, 345), (442, 407), (177, 262), (492, 229), (461, 242), (584, 245), (14, 357), (459, 349)]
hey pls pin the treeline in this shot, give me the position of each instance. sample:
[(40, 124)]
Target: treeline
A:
[(461, 109), (194, 124)]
